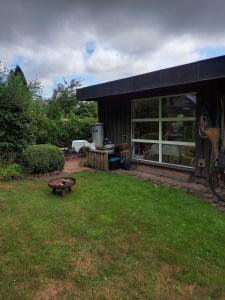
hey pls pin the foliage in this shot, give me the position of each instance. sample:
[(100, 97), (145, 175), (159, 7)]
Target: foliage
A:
[(26, 118), (54, 110), (15, 121), (35, 89), (62, 119), (43, 158), (18, 72), (73, 128), (3, 73), (65, 94), (38, 116), (114, 237), (63, 131), (10, 171), (87, 109)]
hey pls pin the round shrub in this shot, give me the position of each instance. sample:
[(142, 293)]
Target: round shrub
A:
[(43, 158)]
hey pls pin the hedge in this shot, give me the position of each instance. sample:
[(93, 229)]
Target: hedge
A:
[(62, 132), (10, 171), (43, 158)]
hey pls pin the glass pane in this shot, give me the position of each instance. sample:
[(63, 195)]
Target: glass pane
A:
[(178, 131), (146, 130), (178, 155), (179, 106), (146, 151), (146, 108)]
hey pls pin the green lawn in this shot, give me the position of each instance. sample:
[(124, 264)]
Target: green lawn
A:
[(113, 237)]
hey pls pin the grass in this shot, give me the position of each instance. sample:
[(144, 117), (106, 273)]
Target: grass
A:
[(113, 237)]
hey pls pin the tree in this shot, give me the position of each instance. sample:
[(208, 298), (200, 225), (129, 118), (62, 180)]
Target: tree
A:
[(65, 95), (3, 73), (18, 72), (15, 120), (35, 89), (87, 109), (54, 110)]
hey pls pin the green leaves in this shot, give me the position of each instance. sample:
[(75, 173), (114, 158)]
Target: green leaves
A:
[(10, 171), (43, 158), (25, 118), (15, 103), (64, 94)]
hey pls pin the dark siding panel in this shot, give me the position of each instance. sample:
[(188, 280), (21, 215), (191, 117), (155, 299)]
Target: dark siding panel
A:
[(181, 74), (147, 81), (212, 68), (117, 123), (116, 118), (101, 111)]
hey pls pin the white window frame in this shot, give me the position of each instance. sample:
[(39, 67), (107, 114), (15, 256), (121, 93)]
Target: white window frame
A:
[(160, 141)]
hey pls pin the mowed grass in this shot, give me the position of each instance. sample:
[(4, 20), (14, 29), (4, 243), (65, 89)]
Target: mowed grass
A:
[(113, 237)]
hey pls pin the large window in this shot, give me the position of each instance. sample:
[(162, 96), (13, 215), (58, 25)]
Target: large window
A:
[(163, 129)]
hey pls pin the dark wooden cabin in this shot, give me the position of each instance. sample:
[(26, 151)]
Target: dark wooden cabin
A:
[(158, 113)]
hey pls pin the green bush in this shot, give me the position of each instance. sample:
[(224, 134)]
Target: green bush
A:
[(10, 171), (15, 119), (43, 158), (62, 132)]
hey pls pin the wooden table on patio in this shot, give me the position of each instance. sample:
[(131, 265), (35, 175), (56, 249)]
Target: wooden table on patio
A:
[(99, 159)]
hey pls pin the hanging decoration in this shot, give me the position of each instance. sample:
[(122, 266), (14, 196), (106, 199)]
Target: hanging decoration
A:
[(206, 130)]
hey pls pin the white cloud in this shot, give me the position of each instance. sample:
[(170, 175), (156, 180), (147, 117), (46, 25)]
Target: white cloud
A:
[(130, 38)]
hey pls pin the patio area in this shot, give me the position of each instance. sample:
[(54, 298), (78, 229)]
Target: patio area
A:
[(75, 164)]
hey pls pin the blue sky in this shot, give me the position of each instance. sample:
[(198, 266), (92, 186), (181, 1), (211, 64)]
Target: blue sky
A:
[(211, 52)]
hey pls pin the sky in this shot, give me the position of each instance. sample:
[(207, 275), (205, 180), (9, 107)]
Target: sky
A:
[(97, 41)]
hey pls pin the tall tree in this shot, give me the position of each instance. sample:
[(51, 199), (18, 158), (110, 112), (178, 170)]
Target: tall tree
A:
[(65, 94), (15, 120), (18, 72)]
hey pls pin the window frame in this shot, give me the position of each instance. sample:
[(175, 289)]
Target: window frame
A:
[(160, 121)]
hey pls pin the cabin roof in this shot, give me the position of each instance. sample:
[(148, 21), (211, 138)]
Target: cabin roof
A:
[(202, 70)]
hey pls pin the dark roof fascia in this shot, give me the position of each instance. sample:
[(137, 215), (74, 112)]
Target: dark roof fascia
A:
[(204, 70)]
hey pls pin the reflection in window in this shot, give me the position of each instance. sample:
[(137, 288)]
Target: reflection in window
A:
[(146, 151), (182, 131), (168, 122), (146, 130), (148, 108), (179, 106), (178, 155)]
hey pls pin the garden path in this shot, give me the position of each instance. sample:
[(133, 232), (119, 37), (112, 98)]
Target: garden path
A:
[(75, 164)]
